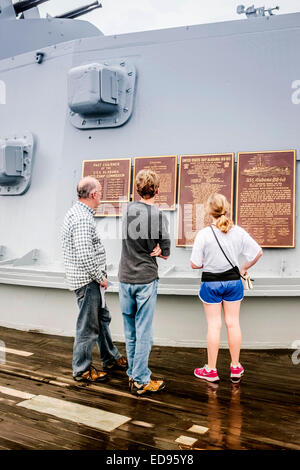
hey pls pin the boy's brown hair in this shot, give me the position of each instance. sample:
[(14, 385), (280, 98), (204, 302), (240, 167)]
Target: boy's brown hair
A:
[(147, 183)]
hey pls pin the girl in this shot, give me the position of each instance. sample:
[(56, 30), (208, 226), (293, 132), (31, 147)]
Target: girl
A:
[(221, 282)]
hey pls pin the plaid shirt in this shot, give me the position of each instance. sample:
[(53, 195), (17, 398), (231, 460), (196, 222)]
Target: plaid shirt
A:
[(84, 254)]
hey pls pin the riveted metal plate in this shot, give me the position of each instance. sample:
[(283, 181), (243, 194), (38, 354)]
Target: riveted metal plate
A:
[(122, 91), (18, 175)]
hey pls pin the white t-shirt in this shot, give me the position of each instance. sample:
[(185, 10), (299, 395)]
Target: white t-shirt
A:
[(236, 242)]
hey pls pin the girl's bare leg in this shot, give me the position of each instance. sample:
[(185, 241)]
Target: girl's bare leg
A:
[(232, 322), (214, 323)]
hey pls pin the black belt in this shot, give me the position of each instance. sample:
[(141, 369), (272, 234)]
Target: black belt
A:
[(232, 274)]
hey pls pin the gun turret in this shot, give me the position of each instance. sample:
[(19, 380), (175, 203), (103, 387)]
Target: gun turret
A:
[(80, 11), (252, 12), (25, 5)]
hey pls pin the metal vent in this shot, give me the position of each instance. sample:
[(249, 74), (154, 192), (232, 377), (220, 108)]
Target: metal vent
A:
[(101, 95), (15, 164)]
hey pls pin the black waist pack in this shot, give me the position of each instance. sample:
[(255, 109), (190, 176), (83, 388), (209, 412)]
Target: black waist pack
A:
[(232, 274)]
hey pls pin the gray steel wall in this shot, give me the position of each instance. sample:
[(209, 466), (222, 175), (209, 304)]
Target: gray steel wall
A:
[(178, 321)]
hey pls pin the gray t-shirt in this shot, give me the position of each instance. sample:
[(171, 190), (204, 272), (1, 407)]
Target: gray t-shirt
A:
[(143, 227)]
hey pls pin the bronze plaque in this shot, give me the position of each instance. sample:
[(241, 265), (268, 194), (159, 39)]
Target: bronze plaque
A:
[(265, 202), (114, 176), (199, 177), (166, 168)]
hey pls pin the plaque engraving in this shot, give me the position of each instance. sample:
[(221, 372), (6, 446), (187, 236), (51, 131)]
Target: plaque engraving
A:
[(114, 176), (265, 202), (199, 177), (166, 168)]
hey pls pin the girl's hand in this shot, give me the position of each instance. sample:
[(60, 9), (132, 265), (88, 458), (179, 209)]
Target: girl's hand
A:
[(244, 272)]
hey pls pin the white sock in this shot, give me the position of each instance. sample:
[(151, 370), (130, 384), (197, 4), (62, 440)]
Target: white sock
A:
[(239, 365)]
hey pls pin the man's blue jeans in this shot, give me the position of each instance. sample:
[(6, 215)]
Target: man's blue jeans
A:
[(92, 327), (138, 305)]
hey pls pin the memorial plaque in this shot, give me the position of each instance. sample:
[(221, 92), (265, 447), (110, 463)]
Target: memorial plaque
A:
[(114, 176), (265, 202), (166, 168), (199, 177)]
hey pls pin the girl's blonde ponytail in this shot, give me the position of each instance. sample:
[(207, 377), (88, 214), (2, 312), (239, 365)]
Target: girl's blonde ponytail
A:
[(218, 207)]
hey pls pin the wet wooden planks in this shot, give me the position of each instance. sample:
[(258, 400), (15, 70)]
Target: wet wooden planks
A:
[(260, 414)]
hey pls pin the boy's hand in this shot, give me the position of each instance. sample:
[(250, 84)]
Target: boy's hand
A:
[(104, 283), (156, 251)]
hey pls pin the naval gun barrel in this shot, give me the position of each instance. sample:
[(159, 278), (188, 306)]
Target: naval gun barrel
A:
[(25, 5), (80, 11)]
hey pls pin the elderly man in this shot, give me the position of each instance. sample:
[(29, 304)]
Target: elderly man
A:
[(85, 264)]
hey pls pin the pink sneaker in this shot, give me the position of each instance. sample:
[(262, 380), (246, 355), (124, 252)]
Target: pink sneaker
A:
[(203, 373), (236, 373)]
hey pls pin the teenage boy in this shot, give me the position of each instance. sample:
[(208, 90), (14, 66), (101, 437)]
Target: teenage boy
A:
[(144, 238)]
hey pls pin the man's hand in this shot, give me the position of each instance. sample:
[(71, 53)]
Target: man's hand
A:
[(156, 251), (104, 283)]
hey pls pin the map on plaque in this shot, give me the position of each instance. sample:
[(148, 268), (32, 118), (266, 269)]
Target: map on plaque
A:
[(199, 177), (265, 202), (166, 168), (114, 176)]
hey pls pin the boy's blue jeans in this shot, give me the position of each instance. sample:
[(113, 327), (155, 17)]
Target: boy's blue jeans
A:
[(92, 327), (138, 304)]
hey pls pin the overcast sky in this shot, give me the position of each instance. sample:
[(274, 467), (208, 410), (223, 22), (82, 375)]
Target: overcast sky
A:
[(124, 16)]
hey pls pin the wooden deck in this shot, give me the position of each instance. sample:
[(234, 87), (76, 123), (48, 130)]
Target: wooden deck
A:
[(261, 413)]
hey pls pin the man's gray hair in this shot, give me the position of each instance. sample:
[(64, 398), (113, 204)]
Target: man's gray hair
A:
[(86, 186)]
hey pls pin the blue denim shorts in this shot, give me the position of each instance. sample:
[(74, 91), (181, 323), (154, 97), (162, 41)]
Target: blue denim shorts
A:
[(216, 292)]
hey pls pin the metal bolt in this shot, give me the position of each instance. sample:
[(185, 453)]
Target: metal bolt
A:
[(99, 121), (128, 90), (130, 73), (83, 123), (122, 64), (125, 110), (116, 121), (39, 57)]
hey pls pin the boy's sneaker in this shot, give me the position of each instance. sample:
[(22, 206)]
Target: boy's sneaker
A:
[(130, 383), (236, 373), (207, 374), (152, 387)]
